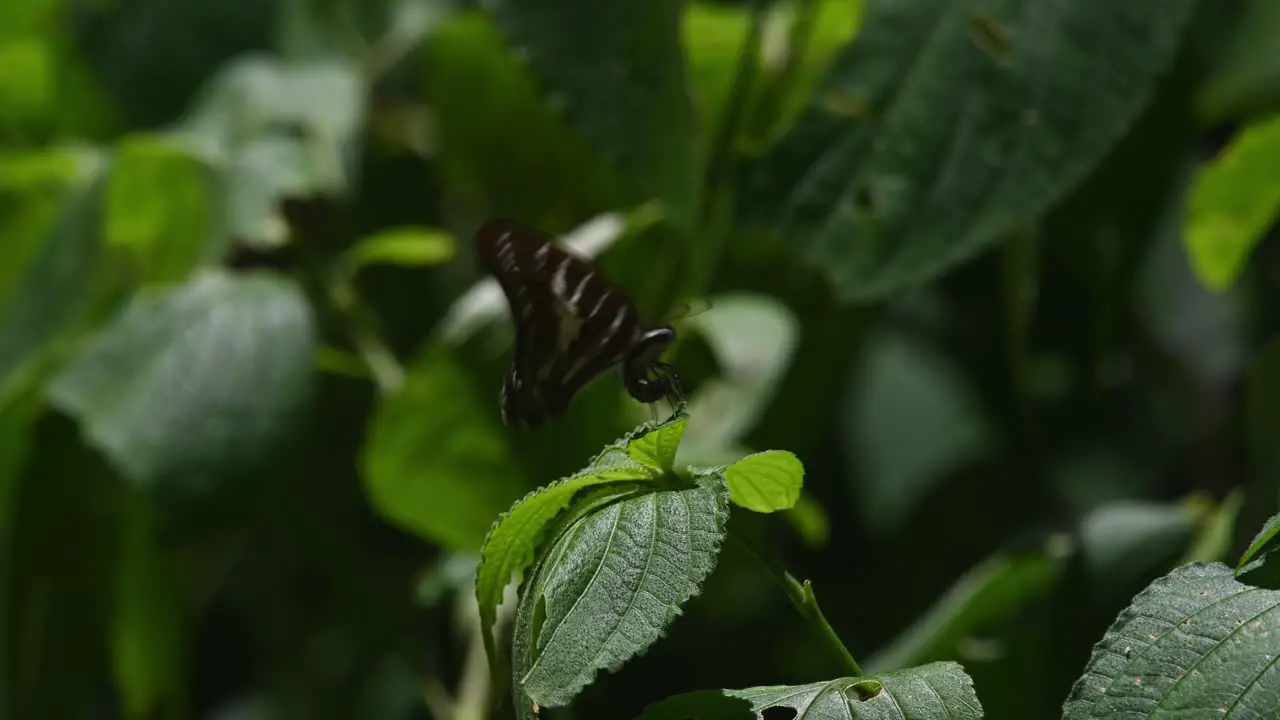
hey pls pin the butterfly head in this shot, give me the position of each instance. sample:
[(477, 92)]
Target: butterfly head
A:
[(645, 376)]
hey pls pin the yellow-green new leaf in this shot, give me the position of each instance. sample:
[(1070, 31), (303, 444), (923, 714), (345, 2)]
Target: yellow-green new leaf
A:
[(766, 482), (1233, 202), (402, 246)]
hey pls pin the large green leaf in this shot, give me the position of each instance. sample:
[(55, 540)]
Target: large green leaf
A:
[(938, 690), (437, 462), (188, 388), (948, 123), (616, 71), (1234, 200), (612, 584), (1195, 643)]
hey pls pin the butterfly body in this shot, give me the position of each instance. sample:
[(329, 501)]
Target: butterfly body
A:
[(571, 324)]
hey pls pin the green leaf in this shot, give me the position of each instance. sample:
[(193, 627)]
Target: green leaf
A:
[(1124, 540), (158, 208), (621, 86), (190, 387), (1259, 551), (993, 590), (513, 541), (475, 87), (913, 420), (402, 246), (612, 584), (1243, 78), (1233, 201), (766, 481), (1195, 643), (654, 445), (436, 462), (53, 298), (944, 126), (937, 690), (34, 187)]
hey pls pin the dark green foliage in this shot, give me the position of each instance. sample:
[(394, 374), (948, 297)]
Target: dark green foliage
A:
[(983, 363)]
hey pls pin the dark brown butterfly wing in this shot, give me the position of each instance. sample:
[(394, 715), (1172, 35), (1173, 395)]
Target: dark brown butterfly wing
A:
[(571, 323)]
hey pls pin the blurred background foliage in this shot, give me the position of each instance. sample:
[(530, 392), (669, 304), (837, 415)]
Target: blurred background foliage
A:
[(1002, 274)]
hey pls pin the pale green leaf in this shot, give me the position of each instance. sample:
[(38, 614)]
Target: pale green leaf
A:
[(191, 387), (1195, 643), (766, 481), (1234, 200)]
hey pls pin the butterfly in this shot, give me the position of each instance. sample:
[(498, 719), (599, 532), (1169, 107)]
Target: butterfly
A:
[(571, 325)]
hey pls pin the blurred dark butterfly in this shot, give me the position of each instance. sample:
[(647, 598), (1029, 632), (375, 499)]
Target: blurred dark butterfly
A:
[(571, 324)]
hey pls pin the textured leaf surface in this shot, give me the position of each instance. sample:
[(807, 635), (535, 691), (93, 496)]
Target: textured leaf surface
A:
[(513, 542), (1196, 643), (1234, 200), (937, 690), (620, 84), (436, 461), (948, 123), (189, 387), (613, 583), (766, 481)]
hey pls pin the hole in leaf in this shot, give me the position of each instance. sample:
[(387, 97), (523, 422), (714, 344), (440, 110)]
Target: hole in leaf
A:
[(863, 691)]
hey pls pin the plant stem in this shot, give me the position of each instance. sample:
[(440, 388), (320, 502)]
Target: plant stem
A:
[(806, 603)]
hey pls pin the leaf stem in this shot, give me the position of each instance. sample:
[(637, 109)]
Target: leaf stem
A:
[(805, 602)]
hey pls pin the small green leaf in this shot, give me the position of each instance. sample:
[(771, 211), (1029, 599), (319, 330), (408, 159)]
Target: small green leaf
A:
[(403, 246), (937, 690), (612, 584), (1264, 543), (654, 446), (193, 386), (437, 462), (766, 481), (158, 208), (1195, 643), (1233, 201)]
